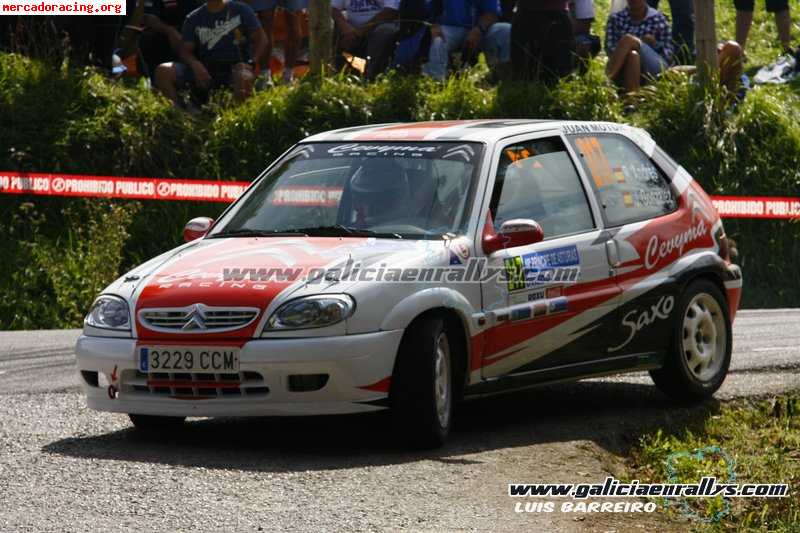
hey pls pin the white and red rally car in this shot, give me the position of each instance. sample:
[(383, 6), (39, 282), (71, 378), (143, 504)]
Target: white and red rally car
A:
[(410, 266)]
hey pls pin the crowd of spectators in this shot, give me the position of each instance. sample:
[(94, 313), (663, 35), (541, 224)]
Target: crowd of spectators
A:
[(199, 45)]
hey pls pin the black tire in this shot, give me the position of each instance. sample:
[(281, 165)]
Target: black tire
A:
[(680, 378), (151, 423), (413, 393)]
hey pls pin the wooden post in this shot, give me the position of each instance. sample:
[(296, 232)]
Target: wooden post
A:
[(705, 39), (320, 35)]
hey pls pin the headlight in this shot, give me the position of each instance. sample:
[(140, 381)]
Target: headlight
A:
[(109, 312), (312, 312)]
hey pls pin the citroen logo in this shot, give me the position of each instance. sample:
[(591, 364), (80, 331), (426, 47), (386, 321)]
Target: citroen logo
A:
[(195, 318)]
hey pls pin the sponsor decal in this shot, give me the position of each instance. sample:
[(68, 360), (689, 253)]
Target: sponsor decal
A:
[(636, 321), (549, 266), (537, 295), (554, 292), (591, 127), (143, 360), (558, 305), (557, 265), (658, 249), (521, 313), (113, 391), (464, 150), (360, 148)]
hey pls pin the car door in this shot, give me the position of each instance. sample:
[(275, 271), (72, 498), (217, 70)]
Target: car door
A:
[(638, 205), (553, 303)]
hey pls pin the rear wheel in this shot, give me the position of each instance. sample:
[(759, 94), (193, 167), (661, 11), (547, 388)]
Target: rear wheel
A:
[(156, 423), (421, 393), (700, 352)]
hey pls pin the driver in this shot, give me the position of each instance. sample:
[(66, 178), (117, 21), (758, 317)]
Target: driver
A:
[(380, 193)]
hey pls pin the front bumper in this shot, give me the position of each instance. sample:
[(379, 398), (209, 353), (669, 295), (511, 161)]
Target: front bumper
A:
[(358, 368)]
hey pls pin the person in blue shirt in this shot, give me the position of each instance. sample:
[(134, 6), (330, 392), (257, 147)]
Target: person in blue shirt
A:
[(222, 40), (470, 26)]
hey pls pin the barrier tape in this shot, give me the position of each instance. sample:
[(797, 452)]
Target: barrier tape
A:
[(120, 187), (226, 191)]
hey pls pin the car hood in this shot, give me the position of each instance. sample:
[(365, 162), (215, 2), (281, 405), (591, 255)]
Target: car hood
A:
[(255, 272)]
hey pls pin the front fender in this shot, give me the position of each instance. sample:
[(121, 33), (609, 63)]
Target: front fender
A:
[(407, 309)]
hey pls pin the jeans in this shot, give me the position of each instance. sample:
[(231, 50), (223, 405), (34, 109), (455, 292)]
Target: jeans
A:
[(377, 47), (682, 28), (495, 44), (652, 63)]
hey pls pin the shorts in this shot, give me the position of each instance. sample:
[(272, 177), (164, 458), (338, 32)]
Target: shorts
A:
[(290, 5), (651, 61), (773, 6), (220, 74)]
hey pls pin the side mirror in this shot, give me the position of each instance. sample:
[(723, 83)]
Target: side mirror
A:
[(196, 228), (516, 232)]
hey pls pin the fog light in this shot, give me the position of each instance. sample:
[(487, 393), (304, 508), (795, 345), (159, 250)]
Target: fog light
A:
[(307, 382), (90, 377)]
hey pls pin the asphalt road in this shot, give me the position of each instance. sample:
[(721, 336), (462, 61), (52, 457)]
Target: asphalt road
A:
[(65, 468)]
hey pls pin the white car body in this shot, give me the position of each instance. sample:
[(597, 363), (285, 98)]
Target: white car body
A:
[(358, 354)]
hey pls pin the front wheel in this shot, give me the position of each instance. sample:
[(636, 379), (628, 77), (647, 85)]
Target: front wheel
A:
[(700, 352), (151, 423), (421, 393)]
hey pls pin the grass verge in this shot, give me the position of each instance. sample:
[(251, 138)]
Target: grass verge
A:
[(761, 438)]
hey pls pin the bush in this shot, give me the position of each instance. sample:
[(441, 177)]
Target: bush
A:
[(77, 121), (61, 276)]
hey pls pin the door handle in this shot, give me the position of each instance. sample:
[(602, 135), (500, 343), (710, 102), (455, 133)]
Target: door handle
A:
[(612, 254)]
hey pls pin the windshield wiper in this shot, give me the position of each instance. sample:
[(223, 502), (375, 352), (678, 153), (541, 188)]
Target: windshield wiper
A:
[(249, 232), (338, 230)]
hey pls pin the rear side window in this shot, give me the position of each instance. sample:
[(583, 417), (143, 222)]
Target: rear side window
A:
[(537, 180), (627, 183)]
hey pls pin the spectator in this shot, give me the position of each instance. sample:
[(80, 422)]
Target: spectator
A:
[(507, 7), (216, 50), (582, 15), (783, 21), (638, 43), (160, 40), (265, 9), (470, 26), (367, 29), (542, 41), (682, 28)]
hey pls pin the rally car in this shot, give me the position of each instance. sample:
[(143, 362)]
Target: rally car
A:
[(411, 266)]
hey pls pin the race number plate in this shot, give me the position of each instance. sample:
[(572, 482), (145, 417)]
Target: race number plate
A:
[(192, 359)]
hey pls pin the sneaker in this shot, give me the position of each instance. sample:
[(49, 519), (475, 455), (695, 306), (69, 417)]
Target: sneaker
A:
[(781, 71), (264, 81)]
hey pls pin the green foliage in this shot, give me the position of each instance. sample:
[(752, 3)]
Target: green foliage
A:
[(61, 276), (763, 439), (77, 121)]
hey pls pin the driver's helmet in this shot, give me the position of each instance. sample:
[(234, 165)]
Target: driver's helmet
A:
[(380, 192)]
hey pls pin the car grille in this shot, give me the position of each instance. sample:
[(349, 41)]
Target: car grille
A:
[(197, 318), (187, 386)]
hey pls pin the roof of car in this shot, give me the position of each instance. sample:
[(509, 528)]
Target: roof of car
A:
[(490, 130)]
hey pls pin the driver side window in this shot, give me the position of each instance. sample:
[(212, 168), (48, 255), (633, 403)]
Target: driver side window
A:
[(537, 180)]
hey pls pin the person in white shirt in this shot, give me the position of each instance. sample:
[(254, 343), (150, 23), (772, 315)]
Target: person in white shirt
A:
[(367, 28)]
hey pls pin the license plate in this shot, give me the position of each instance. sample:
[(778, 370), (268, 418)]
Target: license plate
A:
[(194, 359)]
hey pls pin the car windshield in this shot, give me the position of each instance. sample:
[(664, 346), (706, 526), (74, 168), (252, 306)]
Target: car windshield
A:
[(410, 190)]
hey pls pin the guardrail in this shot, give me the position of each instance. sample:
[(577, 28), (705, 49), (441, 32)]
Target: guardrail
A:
[(41, 184)]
